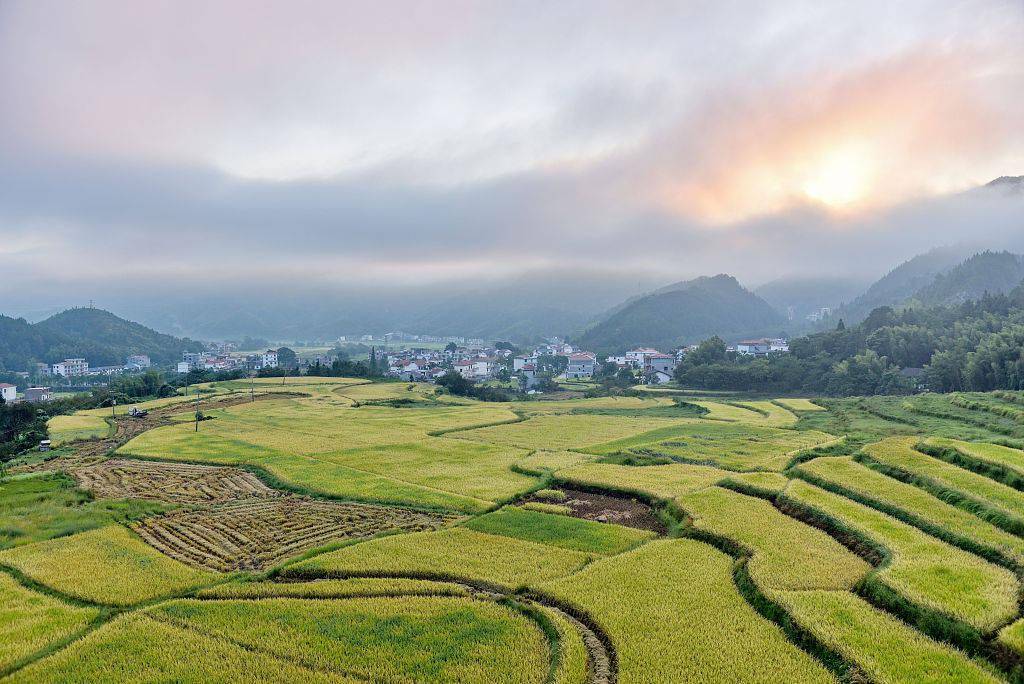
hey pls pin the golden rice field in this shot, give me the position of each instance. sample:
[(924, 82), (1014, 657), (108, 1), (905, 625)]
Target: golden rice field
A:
[(337, 530), (64, 429)]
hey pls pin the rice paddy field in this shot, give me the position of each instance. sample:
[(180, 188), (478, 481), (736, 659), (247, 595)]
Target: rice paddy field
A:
[(338, 530)]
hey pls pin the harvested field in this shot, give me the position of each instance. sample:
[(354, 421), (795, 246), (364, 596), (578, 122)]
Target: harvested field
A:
[(172, 482), (620, 510), (256, 534)]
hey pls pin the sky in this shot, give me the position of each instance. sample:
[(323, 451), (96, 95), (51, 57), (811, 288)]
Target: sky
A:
[(195, 144)]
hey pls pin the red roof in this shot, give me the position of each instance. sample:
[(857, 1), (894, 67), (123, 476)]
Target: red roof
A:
[(6, 385)]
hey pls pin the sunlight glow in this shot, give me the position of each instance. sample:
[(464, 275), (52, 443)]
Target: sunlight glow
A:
[(841, 178)]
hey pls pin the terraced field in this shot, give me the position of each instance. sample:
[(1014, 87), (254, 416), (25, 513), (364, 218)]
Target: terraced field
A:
[(334, 530), (260, 532)]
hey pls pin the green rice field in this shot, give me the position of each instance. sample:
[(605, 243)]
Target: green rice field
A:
[(413, 536)]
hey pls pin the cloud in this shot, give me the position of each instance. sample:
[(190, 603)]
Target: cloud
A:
[(351, 146)]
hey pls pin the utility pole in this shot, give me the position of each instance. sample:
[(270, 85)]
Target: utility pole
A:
[(113, 405), (252, 386), (197, 411)]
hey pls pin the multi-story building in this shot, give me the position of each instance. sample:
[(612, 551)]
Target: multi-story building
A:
[(137, 362), (581, 365), (70, 367), (659, 363), (8, 392)]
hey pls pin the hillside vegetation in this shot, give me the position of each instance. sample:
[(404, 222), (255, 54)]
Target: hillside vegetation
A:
[(684, 313), (97, 335)]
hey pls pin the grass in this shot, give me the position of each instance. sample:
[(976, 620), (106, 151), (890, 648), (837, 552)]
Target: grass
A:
[(449, 554), (429, 639), (572, 652), (787, 554), (540, 461), (560, 531), (64, 429), (674, 614), (1005, 461), (760, 483), (540, 506), (912, 504), (479, 471), (799, 405), (333, 589), (727, 445), (555, 432), (921, 568), (772, 413), (941, 476), (729, 412), (38, 621), (370, 453), (108, 565), (38, 507), (658, 481), (886, 649), (138, 648)]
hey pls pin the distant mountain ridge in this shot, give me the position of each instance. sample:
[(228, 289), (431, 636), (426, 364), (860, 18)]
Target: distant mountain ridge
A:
[(683, 313), (903, 282), (99, 336), (985, 272)]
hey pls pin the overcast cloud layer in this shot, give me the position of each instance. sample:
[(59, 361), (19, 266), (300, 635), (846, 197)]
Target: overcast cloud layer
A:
[(312, 144)]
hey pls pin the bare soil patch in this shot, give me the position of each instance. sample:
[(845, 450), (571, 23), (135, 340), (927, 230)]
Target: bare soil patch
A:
[(256, 534), (607, 508)]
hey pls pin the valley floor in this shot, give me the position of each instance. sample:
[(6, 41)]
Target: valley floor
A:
[(334, 530)]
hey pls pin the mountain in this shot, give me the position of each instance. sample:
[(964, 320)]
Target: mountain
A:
[(992, 272), (1008, 185), (683, 313), (795, 298), (903, 282), (97, 335)]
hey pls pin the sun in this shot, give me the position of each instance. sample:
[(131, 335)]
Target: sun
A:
[(840, 179)]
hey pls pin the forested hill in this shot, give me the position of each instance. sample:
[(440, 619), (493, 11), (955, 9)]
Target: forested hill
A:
[(992, 272), (684, 313), (972, 346), (97, 335), (903, 282)]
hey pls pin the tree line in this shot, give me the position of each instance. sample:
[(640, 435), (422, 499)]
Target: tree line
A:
[(974, 346)]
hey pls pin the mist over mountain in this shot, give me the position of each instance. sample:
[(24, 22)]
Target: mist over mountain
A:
[(684, 313), (803, 296), (99, 336), (903, 282), (985, 272)]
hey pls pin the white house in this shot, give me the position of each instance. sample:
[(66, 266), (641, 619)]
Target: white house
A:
[(71, 367), (581, 365), (268, 359), (465, 368), (657, 377), (184, 366), (8, 392), (38, 394), (137, 362), (518, 363), (762, 346), (659, 363), (637, 357)]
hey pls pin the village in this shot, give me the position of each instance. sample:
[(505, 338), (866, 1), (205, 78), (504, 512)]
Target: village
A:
[(408, 358), (555, 359)]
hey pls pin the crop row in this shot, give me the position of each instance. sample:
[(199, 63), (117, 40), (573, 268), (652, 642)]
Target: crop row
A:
[(258, 533)]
